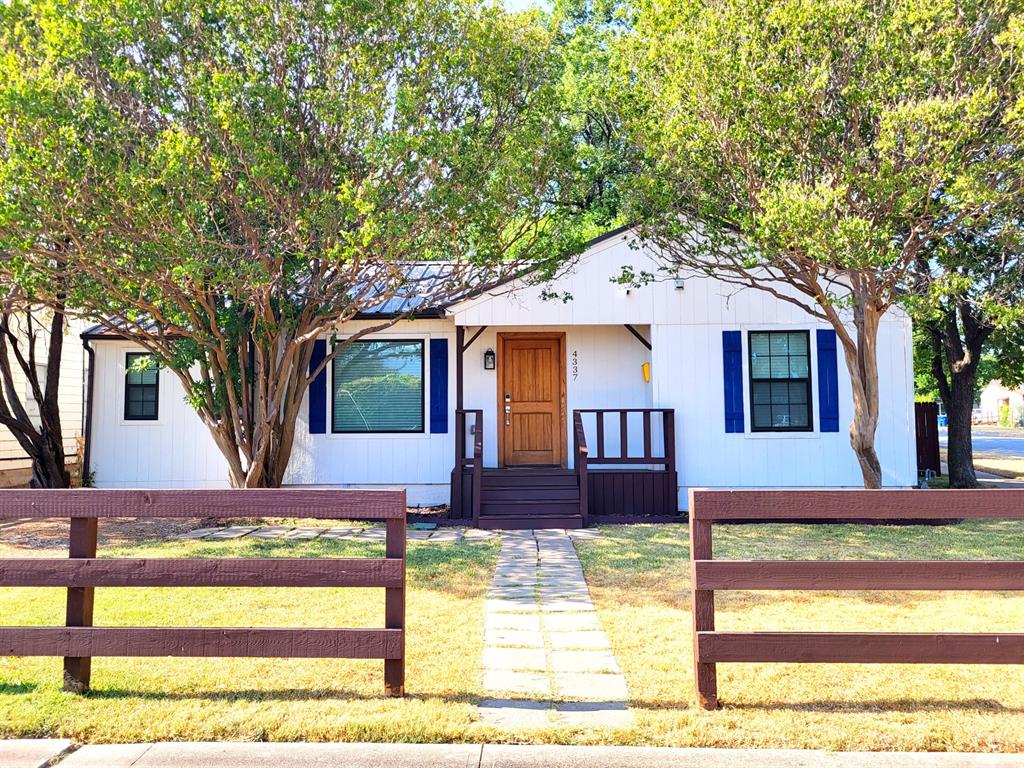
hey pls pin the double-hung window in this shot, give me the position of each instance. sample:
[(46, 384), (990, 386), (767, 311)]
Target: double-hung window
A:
[(141, 387), (780, 381), (378, 387)]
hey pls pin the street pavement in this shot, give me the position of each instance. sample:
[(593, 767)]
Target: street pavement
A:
[(1006, 442)]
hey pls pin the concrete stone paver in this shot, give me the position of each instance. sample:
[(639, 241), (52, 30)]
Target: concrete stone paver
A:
[(513, 638), (303, 534), (515, 714), (592, 714), (231, 532), (522, 622), (198, 533), (521, 659), (31, 753), (449, 535), (589, 640), (542, 639), (590, 685), (584, 661), (515, 681), (561, 622)]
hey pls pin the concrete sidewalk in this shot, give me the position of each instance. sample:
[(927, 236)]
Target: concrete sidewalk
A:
[(56, 752)]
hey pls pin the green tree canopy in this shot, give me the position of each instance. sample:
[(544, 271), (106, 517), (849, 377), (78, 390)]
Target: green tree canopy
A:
[(814, 148), (226, 180)]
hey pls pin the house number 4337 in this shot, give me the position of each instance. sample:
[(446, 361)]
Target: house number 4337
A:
[(575, 364)]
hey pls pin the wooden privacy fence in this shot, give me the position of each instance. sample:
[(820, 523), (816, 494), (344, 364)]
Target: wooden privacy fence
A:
[(709, 575), (926, 432), (79, 640)]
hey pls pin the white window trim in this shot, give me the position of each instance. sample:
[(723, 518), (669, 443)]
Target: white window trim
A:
[(748, 406), (122, 351)]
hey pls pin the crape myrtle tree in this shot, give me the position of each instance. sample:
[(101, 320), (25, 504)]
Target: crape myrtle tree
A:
[(970, 299), (226, 181), (813, 148), (31, 347)]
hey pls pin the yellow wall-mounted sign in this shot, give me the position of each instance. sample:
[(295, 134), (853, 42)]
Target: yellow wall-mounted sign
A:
[(646, 368)]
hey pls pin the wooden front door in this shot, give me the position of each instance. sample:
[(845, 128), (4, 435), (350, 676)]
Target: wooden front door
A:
[(531, 399)]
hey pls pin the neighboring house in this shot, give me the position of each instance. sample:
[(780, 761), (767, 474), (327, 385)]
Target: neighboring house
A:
[(744, 391), (995, 397), (15, 466)]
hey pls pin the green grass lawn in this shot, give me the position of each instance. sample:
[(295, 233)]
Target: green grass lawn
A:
[(262, 699), (638, 575), (639, 578)]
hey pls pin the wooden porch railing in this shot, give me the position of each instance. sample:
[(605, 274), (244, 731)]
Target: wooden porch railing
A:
[(626, 482), (599, 452), (579, 440), (709, 575), (474, 461), (82, 572)]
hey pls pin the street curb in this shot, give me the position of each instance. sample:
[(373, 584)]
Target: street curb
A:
[(22, 753)]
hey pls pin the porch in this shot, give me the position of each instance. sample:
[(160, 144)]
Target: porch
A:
[(537, 454), (608, 480)]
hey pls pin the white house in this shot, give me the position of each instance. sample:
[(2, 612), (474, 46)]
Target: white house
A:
[(664, 387), (996, 397)]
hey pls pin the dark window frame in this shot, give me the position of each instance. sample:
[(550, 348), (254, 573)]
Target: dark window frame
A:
[(423, 391), (129, 357), (807, 381)]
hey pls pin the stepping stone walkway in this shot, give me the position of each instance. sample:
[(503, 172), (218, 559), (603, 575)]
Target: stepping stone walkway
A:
[(547, 662), (370, 533)]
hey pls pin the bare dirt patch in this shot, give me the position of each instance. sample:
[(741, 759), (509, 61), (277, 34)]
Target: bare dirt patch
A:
[(51, 534)]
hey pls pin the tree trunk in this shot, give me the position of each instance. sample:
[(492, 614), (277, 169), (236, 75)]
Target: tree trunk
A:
[(960, 455), (42, 437), (259, 457), (49, 470), (862, 362), (957, 341)]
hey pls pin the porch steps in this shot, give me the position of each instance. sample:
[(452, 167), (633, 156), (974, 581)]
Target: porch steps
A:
[(529, 497)]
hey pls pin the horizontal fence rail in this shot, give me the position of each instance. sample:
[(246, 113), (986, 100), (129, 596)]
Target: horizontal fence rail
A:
[(82, 572), (709, 575)]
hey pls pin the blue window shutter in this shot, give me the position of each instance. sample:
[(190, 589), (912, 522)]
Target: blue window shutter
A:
[(732, 365), (828, 381), (439, 386), (318, 390)]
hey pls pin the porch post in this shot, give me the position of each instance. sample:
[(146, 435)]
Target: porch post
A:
[(460, 344)]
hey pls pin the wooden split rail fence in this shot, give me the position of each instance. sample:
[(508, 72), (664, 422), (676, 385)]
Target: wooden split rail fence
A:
[(79, 640), (709, 575)]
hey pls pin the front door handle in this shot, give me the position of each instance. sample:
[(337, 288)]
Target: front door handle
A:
[(508, 410)]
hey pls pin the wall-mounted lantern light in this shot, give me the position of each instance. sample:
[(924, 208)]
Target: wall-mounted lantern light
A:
[(680, 283), (489, 360)]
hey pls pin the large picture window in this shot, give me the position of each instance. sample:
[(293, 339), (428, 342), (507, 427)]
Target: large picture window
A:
[(780, 381), (141, 387), (378, 387)]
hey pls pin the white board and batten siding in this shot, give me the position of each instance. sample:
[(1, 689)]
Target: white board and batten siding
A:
[(420, 462), (603, 370), (685, 326), (173, 451)]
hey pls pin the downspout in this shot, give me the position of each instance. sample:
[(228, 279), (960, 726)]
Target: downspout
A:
[(89, 379)]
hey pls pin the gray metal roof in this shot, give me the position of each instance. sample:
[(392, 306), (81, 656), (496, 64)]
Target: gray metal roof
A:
[(422, 279)]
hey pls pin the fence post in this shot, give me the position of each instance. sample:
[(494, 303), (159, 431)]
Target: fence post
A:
[(77, 669), (394, 604), (703, 608)]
